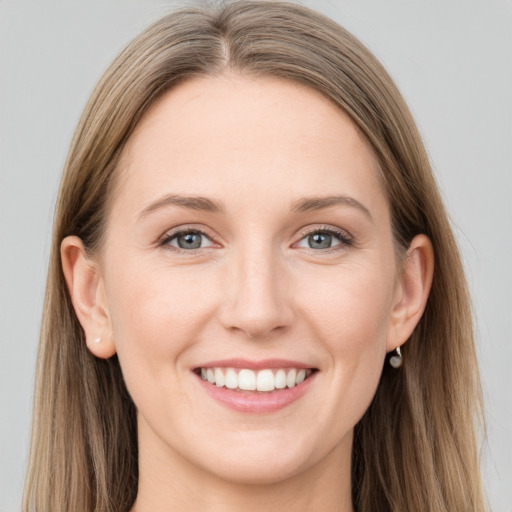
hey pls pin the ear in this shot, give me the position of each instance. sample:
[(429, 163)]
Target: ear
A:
[(412, 290), (87, 292)]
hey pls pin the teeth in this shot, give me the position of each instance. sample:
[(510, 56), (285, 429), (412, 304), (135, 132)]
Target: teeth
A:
[(291, 378), (231, 379), (249, 380), (219, 378), (265, 381), (280, 381)]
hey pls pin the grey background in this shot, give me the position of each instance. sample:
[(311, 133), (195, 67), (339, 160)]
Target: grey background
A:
[(453, 62)]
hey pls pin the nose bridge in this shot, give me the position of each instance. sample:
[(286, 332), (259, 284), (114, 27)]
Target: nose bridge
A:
[(257, 302)]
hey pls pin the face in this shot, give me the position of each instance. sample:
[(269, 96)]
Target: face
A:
[(249, 245)]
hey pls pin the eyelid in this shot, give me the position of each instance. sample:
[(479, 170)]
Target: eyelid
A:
[(345, 238), (186, 228)]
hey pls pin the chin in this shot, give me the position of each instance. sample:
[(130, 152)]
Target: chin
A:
[(260, 472), (260, 462)]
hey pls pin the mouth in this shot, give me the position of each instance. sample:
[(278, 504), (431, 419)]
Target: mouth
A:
[(265, 380), (255, 388)]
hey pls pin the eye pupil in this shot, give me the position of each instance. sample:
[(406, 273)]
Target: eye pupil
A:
[(189, 241), (320, 241)]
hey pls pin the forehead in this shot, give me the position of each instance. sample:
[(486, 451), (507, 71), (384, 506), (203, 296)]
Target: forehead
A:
[(229, 134)]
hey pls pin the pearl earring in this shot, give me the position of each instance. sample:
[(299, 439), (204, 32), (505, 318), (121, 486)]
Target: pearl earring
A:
[(97, 340), (396, 359)]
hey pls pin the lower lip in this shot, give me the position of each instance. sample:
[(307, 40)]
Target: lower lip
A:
[(254, 402)]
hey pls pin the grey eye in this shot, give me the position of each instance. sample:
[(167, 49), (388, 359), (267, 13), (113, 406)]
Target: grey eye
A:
[(190, 240), (320, 241)]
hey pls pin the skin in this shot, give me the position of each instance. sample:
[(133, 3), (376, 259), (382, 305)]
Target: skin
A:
[(255, 290)]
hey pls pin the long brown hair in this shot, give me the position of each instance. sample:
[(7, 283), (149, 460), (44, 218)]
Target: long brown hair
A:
[(415, 448)]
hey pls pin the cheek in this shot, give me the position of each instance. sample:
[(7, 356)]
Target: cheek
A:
[(350, 315), (156, 316), (352, 306), (157, 313)]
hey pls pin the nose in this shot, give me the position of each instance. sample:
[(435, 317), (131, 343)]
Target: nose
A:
[(257, 295)]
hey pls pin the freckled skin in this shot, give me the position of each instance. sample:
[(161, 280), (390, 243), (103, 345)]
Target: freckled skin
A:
[(255, 289)]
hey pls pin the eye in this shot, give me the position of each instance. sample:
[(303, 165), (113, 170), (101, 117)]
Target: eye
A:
[(188, 240), (323, 239)]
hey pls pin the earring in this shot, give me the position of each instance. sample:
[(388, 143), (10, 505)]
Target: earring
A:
[(396, 359), (97, 340)]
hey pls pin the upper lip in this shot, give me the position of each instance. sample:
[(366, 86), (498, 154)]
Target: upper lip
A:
[(254, 365)]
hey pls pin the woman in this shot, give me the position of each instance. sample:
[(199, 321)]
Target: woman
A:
[(246, 226)]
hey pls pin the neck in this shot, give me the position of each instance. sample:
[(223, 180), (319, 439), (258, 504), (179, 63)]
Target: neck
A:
[(168, 483)]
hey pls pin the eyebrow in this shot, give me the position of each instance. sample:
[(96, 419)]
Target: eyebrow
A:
[(204, 204), (189, 202), (308, 204)]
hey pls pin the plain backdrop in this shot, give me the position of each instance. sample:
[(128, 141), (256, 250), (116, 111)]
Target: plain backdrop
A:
[(452, 61)]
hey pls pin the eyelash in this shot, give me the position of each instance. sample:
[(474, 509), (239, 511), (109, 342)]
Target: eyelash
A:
[(346, 240), (342, 236), (169, 236)]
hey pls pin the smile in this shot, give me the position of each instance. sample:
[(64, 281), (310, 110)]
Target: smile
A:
[(245, 379), (255, 387)]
